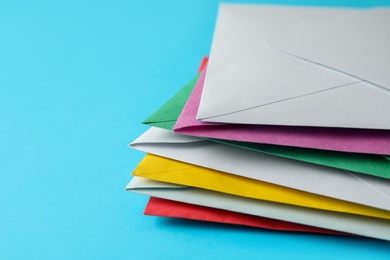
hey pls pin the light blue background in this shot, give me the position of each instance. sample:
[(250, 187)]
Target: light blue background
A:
[(76, 80)]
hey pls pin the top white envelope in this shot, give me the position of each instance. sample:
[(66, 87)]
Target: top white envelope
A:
[(277, 65)]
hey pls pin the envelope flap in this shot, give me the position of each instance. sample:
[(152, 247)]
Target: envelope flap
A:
[(356, 43), (141, 183), (244, 73), (360, 105), (156, 165), (162, 136), (165, 117), (187, 117)]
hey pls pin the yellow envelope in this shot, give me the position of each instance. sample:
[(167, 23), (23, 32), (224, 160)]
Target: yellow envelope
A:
[(167, 170)]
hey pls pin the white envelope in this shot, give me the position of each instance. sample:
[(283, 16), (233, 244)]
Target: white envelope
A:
[(356, 44), (250, 81), (358, 188), (359, 225)]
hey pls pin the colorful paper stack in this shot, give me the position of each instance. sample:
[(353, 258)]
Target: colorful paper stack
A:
[(286, 126)]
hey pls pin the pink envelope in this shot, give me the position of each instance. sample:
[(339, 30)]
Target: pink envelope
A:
[(174, 209), (335, 139)]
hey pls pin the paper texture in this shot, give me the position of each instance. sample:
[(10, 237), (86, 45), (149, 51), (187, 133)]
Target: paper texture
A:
[(354, 224), (175, 209), (167, 170), (248, 82), (356, 44), (339, 184)]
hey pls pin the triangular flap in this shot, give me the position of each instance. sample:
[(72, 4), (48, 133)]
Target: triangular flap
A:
[(356, 44)]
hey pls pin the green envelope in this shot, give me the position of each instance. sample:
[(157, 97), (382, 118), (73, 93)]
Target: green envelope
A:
[(168, 114), (375, 165)]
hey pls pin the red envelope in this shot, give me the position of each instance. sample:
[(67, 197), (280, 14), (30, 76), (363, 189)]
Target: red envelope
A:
[(203, 64), (174, 209)]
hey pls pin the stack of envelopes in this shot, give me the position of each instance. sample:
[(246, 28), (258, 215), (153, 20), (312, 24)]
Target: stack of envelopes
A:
[(286, 126)]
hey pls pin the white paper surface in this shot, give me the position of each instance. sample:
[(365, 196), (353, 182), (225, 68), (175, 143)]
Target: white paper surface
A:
[(249, 82), (356, 44)]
